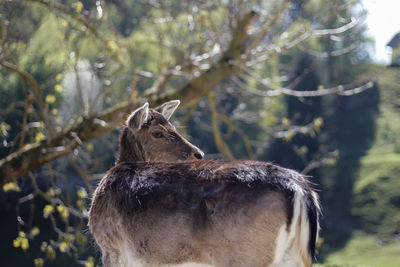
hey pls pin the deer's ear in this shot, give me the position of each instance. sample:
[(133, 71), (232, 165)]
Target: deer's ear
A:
[(139, 117), (168, 108)]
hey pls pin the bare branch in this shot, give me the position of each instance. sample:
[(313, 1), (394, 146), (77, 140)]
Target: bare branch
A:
[(328, 159), (201, 85), (342, 29), (36, 90), (295, 129), (239, 131), (237, 45), (276, 15), (275, 49), (334, 53), (274, 90), (221, 145)]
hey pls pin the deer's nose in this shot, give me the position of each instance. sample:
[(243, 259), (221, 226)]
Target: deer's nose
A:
[(199, 155)]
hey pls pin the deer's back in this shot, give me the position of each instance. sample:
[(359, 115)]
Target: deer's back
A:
[(178, 212)]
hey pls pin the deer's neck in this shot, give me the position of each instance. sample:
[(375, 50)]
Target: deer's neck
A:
[(129, 148)]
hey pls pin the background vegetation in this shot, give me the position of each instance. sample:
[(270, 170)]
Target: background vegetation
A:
[(288, 81)]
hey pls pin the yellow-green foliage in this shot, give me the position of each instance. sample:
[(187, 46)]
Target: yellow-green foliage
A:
[(155, 40), (48, 42)]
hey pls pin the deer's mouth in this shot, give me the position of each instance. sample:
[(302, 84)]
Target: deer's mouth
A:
[(187, 158)]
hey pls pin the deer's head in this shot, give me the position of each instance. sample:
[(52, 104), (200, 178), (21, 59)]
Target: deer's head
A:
[(149, 136)]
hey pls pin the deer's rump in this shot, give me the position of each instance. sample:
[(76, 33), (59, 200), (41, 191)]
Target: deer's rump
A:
[(203, 195)]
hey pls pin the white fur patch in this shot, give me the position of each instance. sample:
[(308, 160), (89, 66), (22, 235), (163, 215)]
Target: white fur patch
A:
[(281, 244), (304, 229), (291, 244)]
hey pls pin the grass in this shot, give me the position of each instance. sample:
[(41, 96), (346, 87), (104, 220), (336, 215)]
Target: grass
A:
[(376, 199), (364, 250), (378, 163)]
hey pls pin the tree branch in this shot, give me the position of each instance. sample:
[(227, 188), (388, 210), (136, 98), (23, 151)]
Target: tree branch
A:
[(33, 156), (274, 90), (36, 90), (221, 145), (270, 50)]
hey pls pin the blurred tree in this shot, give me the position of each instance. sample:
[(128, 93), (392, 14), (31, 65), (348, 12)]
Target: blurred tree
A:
[(72, 70), (345, 124)]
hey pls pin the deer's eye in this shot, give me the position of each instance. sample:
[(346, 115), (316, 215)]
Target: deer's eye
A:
[(157, 134)]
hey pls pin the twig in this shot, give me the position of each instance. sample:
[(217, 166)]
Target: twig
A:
[(221, 145), (345, 90), (36, 90)]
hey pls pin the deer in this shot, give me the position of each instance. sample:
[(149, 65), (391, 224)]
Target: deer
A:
[(162, 204)]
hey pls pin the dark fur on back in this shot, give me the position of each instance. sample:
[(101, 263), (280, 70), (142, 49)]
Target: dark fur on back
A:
[(202, 188)]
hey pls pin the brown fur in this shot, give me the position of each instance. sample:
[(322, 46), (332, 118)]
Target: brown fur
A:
[(210, 212), (141, 145)]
